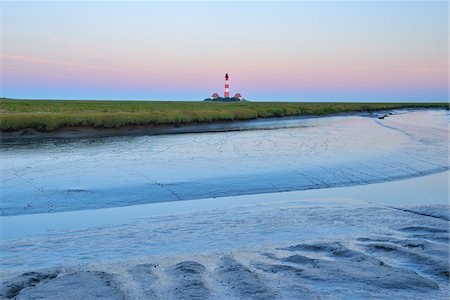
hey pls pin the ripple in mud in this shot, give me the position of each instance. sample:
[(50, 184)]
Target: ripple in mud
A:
[(145, 279), (11, 289), (188, 283), (358, 267), (422, 229), (427, 258), (78, 285), (242, 281), (342, 273)]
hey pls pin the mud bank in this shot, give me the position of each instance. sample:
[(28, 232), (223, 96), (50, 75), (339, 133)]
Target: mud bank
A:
[(163, 129)]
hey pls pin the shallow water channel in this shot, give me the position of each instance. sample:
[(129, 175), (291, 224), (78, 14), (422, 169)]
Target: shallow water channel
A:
[(266, 156)]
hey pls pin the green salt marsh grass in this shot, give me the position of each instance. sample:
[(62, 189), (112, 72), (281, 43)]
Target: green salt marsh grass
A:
[(50, 115)]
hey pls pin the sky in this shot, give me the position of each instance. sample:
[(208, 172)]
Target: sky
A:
[(273, 51)]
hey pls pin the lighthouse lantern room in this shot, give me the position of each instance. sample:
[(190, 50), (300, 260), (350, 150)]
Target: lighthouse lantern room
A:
[(227, 87)]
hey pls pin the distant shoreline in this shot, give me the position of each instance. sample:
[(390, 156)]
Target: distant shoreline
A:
[(66, 119)]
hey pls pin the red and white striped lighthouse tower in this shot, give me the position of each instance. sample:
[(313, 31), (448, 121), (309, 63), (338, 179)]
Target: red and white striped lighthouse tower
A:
[(227, 87)]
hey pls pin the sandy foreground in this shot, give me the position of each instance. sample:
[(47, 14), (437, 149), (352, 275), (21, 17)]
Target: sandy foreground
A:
[(301, 248), (406, 257)]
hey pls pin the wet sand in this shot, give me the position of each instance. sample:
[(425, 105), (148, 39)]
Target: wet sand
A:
[(404, 254)]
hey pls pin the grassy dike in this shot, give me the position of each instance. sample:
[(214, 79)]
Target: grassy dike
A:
[(51, 115)]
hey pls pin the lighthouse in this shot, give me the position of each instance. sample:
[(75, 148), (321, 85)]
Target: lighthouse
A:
[(226, 95), (227, 87)]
